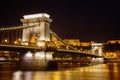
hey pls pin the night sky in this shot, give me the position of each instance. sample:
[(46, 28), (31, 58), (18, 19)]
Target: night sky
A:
[(87, 20)]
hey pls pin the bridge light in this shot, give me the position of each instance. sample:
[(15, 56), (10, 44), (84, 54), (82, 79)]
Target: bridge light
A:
[(6, 40), (15, 42), (28, 55), (48, 56), (39, 55), (19, 39), (41, 44)]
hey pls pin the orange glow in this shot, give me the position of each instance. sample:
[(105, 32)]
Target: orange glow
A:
[(6, 40), (15, 42), (39, 55), (19, 39), (28, 55)]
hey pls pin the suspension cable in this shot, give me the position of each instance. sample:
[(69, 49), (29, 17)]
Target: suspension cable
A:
[(14, 28), (53, 33)]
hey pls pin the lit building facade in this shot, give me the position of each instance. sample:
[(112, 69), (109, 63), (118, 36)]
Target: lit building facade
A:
[(85, 44), (73, 42), (113, 41), (112, 49)]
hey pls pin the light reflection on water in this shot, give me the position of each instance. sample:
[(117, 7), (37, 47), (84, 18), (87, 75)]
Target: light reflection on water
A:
[(97, 72)]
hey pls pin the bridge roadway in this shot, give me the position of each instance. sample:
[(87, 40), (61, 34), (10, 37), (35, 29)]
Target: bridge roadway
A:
[(77, 52), (20, 48), (48, 64)]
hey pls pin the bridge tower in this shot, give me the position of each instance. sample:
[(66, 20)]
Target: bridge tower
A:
[(36, 31), (97, 48), (39, 28)]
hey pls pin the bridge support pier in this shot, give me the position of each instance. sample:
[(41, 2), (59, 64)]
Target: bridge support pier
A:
[(38, 60)]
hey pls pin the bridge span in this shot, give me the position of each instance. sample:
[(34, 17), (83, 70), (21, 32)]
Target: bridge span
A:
[(32, 45)]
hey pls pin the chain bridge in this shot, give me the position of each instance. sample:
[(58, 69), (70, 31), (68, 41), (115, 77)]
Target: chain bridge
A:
[(32, 44)]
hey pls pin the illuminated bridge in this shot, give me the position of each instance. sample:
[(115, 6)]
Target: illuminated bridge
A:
[(33, 44)]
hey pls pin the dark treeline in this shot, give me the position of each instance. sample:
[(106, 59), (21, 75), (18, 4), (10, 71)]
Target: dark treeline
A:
[(111, 47)]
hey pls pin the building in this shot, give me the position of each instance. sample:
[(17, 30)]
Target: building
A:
[(112, 49), (113, 41), (85, 44), (73, 42)]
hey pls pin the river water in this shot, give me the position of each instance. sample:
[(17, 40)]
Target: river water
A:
[(96, 72)]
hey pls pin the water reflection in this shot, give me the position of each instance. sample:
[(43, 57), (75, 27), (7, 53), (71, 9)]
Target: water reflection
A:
[(28, 75), (114, 71), (97, 72), (17, 75)]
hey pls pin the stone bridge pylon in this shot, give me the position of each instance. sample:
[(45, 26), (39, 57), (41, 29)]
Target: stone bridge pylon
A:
[(40, 30), (35, 34)]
